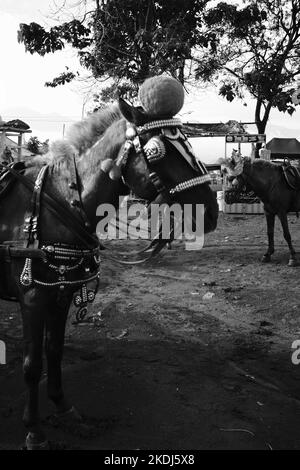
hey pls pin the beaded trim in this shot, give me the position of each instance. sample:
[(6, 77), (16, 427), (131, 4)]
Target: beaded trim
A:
[(65, 254), (60, 252), (190, 183), (67, 283), (160, 124)]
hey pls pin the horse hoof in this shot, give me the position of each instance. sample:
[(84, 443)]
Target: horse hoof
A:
[(66, 419), (72, 422), (292, 263), (70, 415), (266, 259), (33, 442)]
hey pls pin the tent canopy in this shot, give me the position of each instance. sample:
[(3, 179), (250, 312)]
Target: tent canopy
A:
[(281, 148)]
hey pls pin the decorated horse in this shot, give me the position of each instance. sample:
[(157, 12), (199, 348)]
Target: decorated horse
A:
[(49, 252), (278, 187)]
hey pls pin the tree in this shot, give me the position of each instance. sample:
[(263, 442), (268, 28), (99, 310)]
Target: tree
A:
[(253, 48), (256, 50), (125, 40), (37, 147)]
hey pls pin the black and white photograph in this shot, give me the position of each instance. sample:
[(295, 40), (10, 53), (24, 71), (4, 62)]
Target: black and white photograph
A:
[(149, 228)]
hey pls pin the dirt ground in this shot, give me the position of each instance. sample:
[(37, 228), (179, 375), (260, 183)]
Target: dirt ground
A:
[(190, 351)]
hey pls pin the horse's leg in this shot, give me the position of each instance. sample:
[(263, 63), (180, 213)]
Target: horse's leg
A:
[(288, 238), (55, 333), (270, 227), (32, 308)]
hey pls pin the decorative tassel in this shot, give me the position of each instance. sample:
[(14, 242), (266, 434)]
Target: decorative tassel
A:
[(81, 302), (26, 275)]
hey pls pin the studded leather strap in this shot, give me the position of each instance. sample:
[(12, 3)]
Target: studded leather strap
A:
[(31, 219)]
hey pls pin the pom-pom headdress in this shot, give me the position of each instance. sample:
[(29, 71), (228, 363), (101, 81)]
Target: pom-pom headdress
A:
[(161, 97)]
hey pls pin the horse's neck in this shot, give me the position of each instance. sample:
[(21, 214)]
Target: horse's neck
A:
[(260, 179), (96, 186), (97, 189)]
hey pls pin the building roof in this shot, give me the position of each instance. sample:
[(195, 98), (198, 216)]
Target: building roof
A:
[(197, 129), (15, 125), (284, 147)]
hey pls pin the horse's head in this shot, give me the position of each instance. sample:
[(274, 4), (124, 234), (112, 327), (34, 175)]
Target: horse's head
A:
[(157, 163), (233, 169)]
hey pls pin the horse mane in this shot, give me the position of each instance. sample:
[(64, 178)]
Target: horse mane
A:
[(257, 162), (265, 167), (261, 163), (84, 134), (80, 138)]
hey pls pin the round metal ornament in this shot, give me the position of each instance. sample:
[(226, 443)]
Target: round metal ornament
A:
[(154, 149)]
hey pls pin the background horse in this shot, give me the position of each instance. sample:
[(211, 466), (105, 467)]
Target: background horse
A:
[(271, 184), (58, 219)]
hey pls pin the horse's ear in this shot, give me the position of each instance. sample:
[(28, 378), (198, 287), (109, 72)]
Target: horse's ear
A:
[(134, 115)]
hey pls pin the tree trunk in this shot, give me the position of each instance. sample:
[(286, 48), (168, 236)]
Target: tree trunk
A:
[(261, 122), (181, 74)]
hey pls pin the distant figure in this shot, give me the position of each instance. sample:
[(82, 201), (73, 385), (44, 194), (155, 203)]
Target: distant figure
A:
[(236, 154), (264, 152), (7, 157), (253, 151)]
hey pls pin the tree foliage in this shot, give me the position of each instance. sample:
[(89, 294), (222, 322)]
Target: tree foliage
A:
[(250, 48), (258, 51), (135, 39), (124, 39), (37, 147)]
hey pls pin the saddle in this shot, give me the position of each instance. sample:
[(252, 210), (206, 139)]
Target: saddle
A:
[(291, 175), (7, 180)]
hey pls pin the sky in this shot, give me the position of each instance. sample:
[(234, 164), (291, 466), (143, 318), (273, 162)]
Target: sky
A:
[(51, 110)]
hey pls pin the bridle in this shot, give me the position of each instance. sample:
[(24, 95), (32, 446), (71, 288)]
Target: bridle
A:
[(154, 151)]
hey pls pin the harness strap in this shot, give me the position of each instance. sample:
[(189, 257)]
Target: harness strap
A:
[(75, 185), (63, 214), (7, 252), (31, 220)]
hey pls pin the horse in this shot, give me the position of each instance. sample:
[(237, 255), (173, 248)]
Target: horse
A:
[(278, 187), (48, 219)]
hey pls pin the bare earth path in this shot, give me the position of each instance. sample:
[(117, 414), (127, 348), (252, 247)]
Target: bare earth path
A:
[(192, 351)]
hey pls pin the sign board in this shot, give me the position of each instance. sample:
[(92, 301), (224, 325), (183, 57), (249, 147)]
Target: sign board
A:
[(245, 138)]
